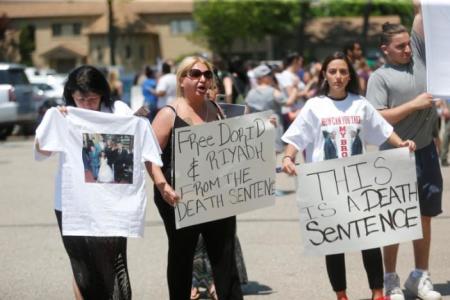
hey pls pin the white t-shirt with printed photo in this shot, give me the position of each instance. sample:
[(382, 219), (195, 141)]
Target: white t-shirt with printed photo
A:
[(328, 128), (94, 208)]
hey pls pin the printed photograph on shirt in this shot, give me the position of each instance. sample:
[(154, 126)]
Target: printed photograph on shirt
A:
[(343, 140), (108, 158)]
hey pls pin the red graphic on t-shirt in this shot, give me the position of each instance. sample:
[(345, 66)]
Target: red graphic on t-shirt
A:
[(341, 120), (343, 141)]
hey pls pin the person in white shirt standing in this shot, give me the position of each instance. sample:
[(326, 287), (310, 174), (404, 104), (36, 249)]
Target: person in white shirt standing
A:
[(340, 109), (166, 89), (291, 86)]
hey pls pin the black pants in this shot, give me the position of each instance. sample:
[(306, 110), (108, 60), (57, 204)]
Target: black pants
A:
[(99, 265), (373, 264), (219, 241)]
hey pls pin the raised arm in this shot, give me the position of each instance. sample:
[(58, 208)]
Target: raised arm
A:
[(418, 23)]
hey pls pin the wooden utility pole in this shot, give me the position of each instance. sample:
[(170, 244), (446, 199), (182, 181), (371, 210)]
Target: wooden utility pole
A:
[(111, 33), (365, 31)]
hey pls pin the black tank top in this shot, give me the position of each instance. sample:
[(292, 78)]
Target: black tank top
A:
[(167, 153), (167, 157)]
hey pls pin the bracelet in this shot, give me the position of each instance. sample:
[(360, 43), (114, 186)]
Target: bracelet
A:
[(287, 156)]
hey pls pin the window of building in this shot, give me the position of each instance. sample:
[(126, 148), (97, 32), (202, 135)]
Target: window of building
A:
[(127, 52), (182, 26), (69, 29), (141, 52), (99, 54), (76, 28), (56, 29)]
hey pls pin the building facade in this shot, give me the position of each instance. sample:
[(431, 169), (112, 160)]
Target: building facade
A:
[(67, 33)]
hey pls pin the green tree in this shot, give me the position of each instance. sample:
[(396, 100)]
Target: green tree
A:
[(365, 8), (26, 44), (331, 8), (221, 23), (402, 8), (4, 25)]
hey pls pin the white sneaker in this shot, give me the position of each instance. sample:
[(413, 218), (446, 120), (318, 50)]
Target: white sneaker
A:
[(420, 285), (392, 287)]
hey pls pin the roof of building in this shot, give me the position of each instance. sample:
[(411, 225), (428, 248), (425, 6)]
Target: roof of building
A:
[(126, 13), (62, 50), (16, 9), (50, 9), (125, 21), (162, 6), (328, 28)]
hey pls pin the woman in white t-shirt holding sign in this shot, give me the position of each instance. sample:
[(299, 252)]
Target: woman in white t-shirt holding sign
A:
[(334, 125)]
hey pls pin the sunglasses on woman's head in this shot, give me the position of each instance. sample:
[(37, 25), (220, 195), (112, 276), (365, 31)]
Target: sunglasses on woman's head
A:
[(196, 74)]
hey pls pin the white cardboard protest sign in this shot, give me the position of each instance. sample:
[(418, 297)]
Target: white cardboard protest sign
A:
[(360, 202), (224, 168), (436, 22)]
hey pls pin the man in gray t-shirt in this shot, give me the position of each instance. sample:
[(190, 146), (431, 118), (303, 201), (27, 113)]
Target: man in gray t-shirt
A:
[(398, 91), (265, 97)]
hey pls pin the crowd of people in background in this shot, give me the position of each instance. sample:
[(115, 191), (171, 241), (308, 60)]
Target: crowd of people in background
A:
[(210, 253), (283, 87)]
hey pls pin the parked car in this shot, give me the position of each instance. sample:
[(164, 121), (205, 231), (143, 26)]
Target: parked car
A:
[(49, 83), (20, 102)]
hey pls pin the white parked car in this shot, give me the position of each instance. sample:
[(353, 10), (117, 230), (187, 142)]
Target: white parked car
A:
[(48, 82), (19, 100)]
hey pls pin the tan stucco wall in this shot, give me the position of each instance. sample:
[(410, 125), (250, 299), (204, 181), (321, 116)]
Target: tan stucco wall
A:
[(173, 46), (147, 41), (45, 41)]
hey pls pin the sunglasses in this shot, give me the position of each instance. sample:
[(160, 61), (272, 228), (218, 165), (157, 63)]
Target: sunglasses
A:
[(196, 74)]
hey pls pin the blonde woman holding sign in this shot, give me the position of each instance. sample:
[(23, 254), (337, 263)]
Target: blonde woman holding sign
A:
[(194, 78), (337, 124)]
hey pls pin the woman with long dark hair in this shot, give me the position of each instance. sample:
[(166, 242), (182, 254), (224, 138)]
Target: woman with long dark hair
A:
[(99, 263), (339, 98)]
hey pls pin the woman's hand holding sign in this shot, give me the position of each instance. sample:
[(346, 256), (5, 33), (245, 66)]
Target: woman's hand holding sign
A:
[(396, 141), (289, 166), (408, 143), (169, 195)]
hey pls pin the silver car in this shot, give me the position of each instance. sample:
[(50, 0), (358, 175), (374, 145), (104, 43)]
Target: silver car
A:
[(19, 101)]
